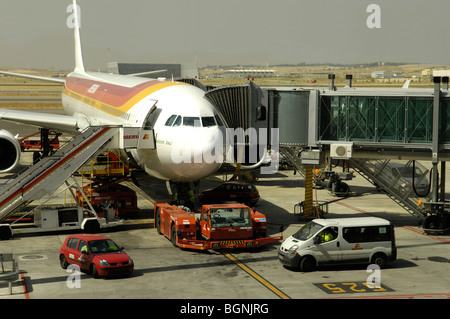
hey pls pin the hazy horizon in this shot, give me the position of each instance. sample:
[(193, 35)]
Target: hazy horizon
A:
[(35, 35)]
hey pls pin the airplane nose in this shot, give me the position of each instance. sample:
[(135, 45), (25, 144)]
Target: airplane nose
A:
[(208, 147), (202, 146), (199, 153)]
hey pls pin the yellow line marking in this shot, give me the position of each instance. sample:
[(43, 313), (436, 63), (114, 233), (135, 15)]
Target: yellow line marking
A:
[(247, 269), (139, 221)]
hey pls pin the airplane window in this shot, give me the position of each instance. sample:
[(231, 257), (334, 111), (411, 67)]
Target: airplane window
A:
[(191, 121), (208, 121), (177, 121), (170, 120)]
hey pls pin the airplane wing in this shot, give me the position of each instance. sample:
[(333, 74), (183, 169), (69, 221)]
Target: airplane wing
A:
[(36, 77), (62, 123), (147, 73)]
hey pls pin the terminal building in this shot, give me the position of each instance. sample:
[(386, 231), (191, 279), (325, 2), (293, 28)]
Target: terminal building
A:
[(176, 71), (381, 74)]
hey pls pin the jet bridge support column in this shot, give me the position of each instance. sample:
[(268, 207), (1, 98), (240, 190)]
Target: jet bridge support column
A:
[(437, 213), (435, 142), (442, 197), (445, 80), (310, 159), (308, 209)]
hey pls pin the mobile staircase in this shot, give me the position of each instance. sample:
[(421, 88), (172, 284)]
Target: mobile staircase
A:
[(45, 176), (290, 154), (405, 193)]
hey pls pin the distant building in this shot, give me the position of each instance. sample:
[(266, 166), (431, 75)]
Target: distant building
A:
[(441, 73), (427, 72), (244, 73), (186, 70), (381, 74)]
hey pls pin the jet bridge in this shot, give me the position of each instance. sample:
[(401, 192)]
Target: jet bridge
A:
[(368, 128)]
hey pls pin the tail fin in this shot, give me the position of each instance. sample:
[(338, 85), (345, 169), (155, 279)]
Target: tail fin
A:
[(79, 66)]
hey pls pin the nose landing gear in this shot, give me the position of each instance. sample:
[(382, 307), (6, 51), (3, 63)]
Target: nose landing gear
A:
[(183, 194)]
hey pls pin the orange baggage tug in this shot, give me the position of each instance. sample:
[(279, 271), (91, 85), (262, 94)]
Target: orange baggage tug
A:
[(216, 226)]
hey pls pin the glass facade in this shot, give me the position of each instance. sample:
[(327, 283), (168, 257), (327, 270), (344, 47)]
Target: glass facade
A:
[(381, 119)]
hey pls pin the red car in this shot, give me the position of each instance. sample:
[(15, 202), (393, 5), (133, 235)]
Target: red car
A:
[(242, 192), (96, 254)]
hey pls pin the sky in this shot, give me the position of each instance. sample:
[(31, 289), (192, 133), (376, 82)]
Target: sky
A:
[(34, 34)]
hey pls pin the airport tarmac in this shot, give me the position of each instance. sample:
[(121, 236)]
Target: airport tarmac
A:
[(163, 271)]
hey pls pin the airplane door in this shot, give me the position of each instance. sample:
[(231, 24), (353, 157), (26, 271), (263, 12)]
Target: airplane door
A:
[(139, 117), (152, 115)]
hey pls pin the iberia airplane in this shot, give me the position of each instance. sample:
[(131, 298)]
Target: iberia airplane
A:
[(182, 119)]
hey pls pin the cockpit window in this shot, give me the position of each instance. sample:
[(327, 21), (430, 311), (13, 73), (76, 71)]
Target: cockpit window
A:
[(191, 121), (177, 121), (208, 121), (170, 120)]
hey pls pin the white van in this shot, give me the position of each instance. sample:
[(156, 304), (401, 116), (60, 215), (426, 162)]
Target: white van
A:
[(335, 241)]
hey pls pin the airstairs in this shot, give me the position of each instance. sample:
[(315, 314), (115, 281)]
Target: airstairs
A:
[(397, 181), (48, 174), (290, 154)]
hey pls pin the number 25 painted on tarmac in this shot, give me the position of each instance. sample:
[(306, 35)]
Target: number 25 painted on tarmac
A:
[(349, 287)]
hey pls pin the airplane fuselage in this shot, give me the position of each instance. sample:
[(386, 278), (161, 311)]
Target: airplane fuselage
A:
[(185, 125), (184, 122)]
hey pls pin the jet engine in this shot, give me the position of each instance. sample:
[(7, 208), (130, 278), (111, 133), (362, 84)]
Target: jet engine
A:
[(9, 151)]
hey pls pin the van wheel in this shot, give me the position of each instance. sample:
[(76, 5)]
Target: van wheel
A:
[(380, 260), (307, 264)]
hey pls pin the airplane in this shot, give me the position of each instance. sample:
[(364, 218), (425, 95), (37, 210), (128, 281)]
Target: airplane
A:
[(182, 119)]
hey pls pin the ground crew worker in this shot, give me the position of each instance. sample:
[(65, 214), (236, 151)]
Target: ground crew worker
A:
[(84, 249), (326, 235)]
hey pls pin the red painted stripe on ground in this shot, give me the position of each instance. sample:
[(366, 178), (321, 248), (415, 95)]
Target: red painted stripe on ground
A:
[(24, 284), (416, 230), (409, 296)]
